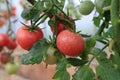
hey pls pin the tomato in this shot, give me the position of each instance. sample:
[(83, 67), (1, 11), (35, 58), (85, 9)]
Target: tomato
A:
[(2, 22), (4, 58), (60, 26), (26, 38), (51, 58), (4, 14), (11, 44), (3, 39), (86, 7), (13, 11), (99, 5), (69, 43), (11, 68)]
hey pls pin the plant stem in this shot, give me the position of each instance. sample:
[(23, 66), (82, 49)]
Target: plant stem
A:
[(115, 23), (59, 9), (97, 54), (115, 12), (8, 14)]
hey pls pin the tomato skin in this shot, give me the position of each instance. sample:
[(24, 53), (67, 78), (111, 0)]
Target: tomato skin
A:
[(86, 7), (99, 5), (69, 43), (27, 38), (3, 39), (11, 68), (60, 26), (51, 58), (11, 44), (4, 58)]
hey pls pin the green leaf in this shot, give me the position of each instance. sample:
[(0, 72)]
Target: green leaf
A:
[(106, 3), (76, 61), (97, 21), (61, 73), (84, 73), (40, 5), (36, 53), (106, 70), (90, 42), (110, 32), (30, 13)]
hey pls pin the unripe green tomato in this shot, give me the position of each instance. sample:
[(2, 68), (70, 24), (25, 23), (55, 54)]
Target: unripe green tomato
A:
[(51, 58), (86, 7), (11, 68), (98, 5)]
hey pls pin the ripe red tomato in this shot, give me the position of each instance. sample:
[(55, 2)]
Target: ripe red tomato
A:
[(60, 26), (26, 38), (3, 39), (4, 58), (11, 68), (2, 22), (69, 43), (11, 44)]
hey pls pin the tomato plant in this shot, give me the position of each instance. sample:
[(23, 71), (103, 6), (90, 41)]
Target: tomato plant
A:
[(26, 38), (11, 68), (75, 47)]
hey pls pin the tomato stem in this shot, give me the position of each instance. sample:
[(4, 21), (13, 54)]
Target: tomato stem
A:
[(106, 8), (97, 54), (9, 30)]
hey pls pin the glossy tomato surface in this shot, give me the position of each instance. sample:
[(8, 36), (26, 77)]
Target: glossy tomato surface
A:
[(69, 43), (26, 38)]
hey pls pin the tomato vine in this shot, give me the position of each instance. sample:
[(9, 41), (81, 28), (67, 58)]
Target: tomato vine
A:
[(71, 42)]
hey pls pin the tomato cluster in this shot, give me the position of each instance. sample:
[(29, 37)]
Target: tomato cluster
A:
[(61, 25), (6, 41), (5, 15)]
